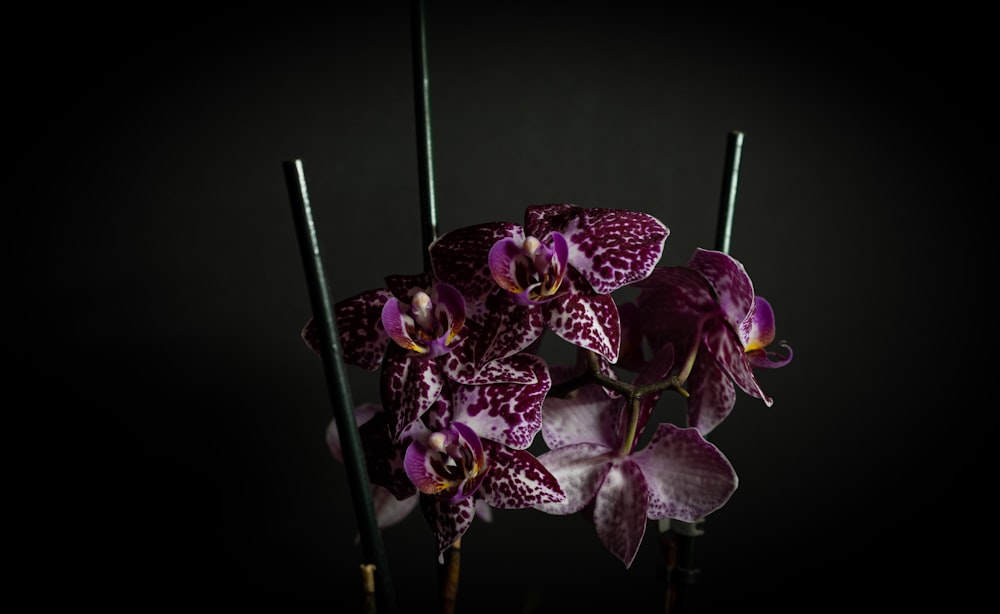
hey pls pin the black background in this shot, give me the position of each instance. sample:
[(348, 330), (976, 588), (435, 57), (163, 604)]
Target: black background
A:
[(177, 454)]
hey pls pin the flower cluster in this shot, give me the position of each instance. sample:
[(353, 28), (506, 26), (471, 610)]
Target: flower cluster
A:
[(465, 392)]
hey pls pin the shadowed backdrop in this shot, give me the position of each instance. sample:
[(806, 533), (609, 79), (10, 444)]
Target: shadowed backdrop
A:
[(161, 291)]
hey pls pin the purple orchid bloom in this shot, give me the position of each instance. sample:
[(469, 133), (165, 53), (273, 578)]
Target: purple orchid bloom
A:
[(422, 316), (556, 272), (416, 338), (427, 325), (677, 475), (708, 311), (453, 470)]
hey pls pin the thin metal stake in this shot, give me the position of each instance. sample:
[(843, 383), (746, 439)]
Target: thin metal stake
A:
[(338, 386), (425, 159), (678, 541), (727, 201)]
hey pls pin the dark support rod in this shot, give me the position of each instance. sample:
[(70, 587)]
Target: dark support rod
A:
[(678, 542), (425, 161), (339, 386), (727, 201)]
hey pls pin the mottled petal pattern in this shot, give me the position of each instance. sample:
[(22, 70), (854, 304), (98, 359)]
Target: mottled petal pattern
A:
[(409, 386), (729, 279), (687, 476), (712, 396), (588, 415), (384, 458), (590, 322), (613, 248), (404, 287), (449, 520), (507, 413), (516, 369), (461, 257), (359, 326), (580, 470), (671, 301), (509, 328), (723, 344), (518, 480), (620, 511)]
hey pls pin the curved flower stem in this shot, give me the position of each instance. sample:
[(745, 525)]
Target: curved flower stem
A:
[(685, 371), (633, 425), (449, 578)]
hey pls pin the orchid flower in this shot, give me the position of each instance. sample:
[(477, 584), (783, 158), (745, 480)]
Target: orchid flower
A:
[(456, 471), (423, 316), (555, 272), (708, 311), (677, 475)]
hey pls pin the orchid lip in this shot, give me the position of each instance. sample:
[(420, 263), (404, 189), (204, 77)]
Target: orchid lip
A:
[(530, 270), (430, 324)]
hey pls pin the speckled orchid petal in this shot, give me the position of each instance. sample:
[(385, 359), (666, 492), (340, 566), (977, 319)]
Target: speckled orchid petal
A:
[(509, 328), (404, 287), (507, 413), (712, 396), (686, 475), (631, 349), (359, 325), (670, 302), (620, 510), (517, 480), (730, 282), (580, 470), (588, 321), (383, 457), (587, 416), (461, 257), (611, 248), (722, 343), (409, 386), (449, 520), (516, 369), (540, 220)]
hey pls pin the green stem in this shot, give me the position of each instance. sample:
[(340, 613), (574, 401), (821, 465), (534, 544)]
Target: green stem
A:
[(633, 425)]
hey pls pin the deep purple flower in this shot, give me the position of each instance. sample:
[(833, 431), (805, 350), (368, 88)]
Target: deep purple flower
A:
[(708, 311), (428, 325), (557, 271), (362, 334), (456, 458), (415, 331)]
